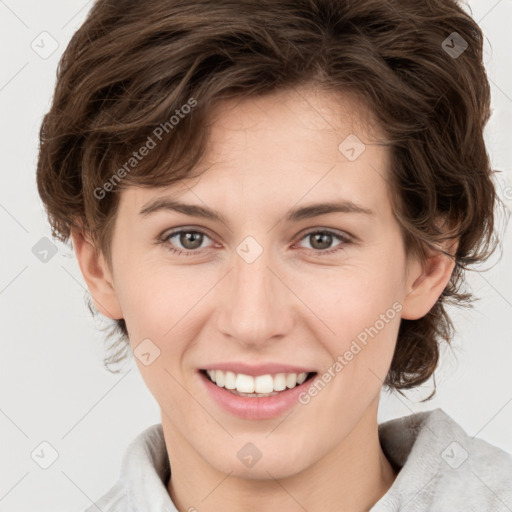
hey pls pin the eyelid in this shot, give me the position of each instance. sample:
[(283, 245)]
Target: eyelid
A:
[(342, 234), (343, 237), (166, 235)]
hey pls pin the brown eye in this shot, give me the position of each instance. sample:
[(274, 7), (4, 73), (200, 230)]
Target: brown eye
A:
[(186, 241), (190, 239), (321, 241)]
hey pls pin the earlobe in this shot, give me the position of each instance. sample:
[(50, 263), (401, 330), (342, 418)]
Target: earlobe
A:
[(97, 276), (426, 283)]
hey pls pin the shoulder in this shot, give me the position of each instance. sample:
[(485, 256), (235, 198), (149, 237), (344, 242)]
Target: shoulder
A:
[(144, 473), (473, 472), (443, 468)]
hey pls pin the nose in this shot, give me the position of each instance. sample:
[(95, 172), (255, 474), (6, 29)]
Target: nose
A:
[(257, 307)]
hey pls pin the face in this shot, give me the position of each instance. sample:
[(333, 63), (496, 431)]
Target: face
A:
[(272, 286)]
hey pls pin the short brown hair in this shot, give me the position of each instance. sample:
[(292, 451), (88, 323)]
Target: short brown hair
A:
[(132, 65)]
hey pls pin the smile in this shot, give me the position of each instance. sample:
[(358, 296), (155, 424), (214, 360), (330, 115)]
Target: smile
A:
[(256, 386), (255, 397)]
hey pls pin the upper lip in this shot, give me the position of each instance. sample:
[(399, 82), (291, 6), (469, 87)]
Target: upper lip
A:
[(257, 369)]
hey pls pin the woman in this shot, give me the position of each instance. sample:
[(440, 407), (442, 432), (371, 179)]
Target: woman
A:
[(274, 201)]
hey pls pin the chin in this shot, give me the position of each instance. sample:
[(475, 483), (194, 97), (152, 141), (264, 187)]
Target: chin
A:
[(280, 463)]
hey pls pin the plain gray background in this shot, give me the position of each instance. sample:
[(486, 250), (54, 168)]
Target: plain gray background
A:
[(55, 389)]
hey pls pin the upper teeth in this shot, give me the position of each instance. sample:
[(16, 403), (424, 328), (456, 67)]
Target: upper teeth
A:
[(260, 384)]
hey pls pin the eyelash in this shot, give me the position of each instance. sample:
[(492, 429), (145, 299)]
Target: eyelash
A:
[(344, 239)]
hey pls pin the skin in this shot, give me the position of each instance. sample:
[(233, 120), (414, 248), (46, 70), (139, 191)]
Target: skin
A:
[(294, 305)]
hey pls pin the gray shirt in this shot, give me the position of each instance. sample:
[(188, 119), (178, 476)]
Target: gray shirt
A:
[(442, 470)]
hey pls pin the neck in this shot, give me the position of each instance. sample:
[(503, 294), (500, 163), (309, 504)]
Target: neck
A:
[(353, 477)]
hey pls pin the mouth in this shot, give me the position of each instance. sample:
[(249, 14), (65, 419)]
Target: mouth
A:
[(257, 386)]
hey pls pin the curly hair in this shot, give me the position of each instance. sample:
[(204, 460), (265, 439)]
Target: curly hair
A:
[(417, 66)]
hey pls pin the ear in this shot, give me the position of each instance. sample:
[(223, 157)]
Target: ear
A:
[(97, 275), (426, 282)]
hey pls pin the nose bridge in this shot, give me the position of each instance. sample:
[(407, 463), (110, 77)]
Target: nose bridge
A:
[(256, 305)]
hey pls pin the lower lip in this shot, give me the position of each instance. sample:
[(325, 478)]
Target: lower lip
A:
[(255, 408)]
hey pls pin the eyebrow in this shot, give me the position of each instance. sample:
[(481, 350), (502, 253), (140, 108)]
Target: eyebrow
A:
[(294, 215)]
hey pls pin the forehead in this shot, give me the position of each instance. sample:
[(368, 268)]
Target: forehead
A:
[(291, 147)]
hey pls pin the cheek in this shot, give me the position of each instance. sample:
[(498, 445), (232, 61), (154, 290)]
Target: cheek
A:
[(159, 300), (352, 297), (157, 304), (360, 308)]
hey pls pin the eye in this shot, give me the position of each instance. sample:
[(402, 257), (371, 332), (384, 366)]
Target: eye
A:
[(321, 241), (190, 239)]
